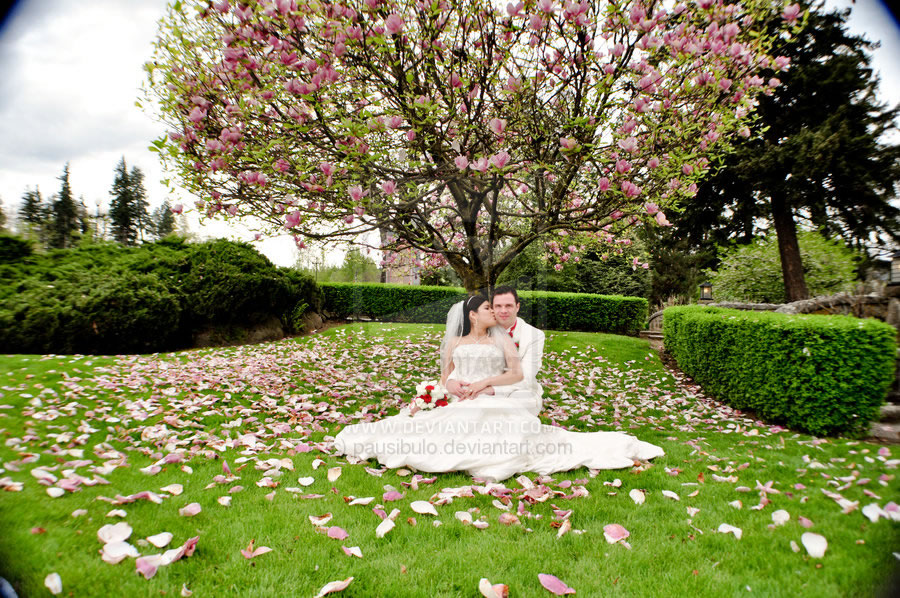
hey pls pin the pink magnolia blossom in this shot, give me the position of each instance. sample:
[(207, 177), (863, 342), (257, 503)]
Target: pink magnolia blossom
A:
[(623, 166), (630, 189), (782, 62), (603, 184), (725, 84), (703, 79), (282, 165), (514, 10), (356, 193), (497, 126), (178, 208), (536, 22), (731, 30), (326, 168), (653, 162), (393, 24), (617, 214), (461, 162), (388, 187), (791, 13), (651, 208), (292, 219), (661, 219), (567, 143), (410, 135), (395, 122), (480, 165), (629, 144), (500, 159), (197, 114)]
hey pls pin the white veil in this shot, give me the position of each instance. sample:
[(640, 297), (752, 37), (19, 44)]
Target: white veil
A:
[(454, 330), (451, 333)]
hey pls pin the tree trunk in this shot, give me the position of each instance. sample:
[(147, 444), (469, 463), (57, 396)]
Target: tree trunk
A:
[(789, 249), (472, 280)]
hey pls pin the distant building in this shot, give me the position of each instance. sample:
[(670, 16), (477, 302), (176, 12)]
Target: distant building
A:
[(399, 267)]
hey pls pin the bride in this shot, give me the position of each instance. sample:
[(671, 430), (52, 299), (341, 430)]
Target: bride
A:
[(489, 430)]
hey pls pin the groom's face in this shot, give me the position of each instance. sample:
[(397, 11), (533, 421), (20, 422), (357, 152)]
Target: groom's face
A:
[(505, 309)]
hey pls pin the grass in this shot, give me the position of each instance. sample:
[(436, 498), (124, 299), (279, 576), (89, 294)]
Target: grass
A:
[(288, 396)]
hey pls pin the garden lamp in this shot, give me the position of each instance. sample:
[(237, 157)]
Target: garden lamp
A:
[(705, 292), (894, 278)]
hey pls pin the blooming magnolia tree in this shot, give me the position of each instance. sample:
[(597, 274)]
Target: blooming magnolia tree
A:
[(462, 130)]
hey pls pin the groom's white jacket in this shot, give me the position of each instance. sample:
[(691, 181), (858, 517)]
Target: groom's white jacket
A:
[(530, 345)]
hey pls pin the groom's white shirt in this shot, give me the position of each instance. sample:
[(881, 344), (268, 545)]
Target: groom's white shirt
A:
[(530, 346)]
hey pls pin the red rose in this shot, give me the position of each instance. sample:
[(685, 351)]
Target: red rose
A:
[(441, 403), (429, 388), (426, 398)]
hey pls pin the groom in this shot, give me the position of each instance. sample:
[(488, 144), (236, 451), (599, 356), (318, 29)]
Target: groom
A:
[(529, 344)]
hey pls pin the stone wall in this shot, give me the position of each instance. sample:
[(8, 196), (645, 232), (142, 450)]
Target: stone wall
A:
[(881, 307)]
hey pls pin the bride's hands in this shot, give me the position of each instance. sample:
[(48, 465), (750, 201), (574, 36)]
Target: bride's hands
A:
[(456, 387), (477, 388)]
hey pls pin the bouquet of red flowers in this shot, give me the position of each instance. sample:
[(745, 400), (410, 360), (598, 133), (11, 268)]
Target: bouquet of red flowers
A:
[(430, 394)]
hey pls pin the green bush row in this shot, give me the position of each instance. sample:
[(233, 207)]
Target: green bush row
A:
[(106, 298), (824, 375), (426, 304)]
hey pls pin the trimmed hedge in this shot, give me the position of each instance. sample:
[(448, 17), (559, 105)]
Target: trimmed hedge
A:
[(824, 375), (546, 310), (105, 298)]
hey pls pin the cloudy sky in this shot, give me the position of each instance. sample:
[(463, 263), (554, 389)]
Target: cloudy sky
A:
[(71, 71)]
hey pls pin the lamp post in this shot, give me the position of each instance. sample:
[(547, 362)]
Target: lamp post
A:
[(892, 289), (705, 292), (894, 277)]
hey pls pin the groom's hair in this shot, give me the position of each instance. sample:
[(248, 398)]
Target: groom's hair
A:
[(503, 290)]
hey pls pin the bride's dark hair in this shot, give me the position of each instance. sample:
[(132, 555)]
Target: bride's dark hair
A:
[(471, 304)]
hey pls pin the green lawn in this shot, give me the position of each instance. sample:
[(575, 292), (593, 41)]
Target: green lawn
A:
[(266, 410)]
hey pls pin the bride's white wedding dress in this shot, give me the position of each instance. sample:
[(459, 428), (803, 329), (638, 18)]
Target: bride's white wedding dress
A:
[(490, 437)]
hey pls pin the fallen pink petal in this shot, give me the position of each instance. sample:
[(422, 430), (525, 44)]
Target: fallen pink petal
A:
[(554, 585), (614, 533), (334, 586)]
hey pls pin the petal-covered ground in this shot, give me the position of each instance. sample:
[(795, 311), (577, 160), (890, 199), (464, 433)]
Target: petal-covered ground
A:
[(115, 470)]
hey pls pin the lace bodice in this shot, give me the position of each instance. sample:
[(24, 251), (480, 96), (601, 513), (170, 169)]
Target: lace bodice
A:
[(473, 362)]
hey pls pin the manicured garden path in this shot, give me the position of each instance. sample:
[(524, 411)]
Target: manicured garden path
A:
[(241, 433)]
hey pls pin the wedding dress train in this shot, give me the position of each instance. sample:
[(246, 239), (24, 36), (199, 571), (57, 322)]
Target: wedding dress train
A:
[(490, 437)]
